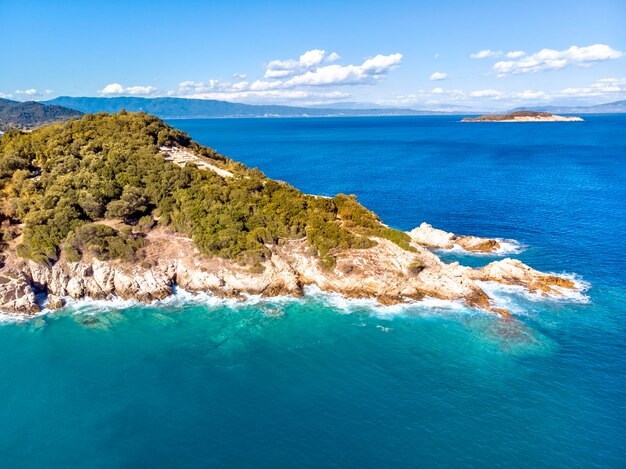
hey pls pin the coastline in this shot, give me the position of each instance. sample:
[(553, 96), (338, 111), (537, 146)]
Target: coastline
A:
[(385, 274)]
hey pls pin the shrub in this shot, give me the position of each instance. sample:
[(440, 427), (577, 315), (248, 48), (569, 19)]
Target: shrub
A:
[(103, 242), (416, 267)]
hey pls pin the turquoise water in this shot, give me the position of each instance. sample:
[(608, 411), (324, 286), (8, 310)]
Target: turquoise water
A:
[(325, 382)]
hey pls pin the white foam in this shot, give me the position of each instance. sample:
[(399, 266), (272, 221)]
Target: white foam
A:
[(6, 318), (505, 296), (509, 246), (427, 306)]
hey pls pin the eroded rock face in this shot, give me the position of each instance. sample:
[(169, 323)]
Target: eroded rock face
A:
[(426, 235), (17, 295), (384, 272), (55, 302)]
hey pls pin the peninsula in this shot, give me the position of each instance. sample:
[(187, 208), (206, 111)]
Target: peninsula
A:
[(123, 205), (523, 116)]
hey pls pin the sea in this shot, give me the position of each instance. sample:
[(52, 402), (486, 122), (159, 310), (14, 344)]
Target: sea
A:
[(327, 382)]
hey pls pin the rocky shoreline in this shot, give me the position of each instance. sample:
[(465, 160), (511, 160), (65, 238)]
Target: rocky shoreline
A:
[(385, 272)]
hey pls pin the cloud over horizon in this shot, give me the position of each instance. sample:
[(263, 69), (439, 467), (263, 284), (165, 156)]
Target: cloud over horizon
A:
[(310, 77), (115, 89), (550, 59)]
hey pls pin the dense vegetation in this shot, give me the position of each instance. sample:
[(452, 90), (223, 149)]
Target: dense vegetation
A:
[(60, 183), (29, 115)]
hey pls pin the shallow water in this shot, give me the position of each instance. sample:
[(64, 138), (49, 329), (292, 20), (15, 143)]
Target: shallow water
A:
[(326, 382)]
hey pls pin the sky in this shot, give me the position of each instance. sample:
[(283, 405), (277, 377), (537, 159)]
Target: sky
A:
[(486, 55)]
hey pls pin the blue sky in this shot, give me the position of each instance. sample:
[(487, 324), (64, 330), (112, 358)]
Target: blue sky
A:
[(397, 53)]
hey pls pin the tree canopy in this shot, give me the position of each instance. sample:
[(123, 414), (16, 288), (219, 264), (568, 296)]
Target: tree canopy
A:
[(60, 180)]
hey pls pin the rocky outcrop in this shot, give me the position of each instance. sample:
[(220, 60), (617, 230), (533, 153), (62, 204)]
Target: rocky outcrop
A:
[(385, 272), (514, 272), (55, 302), (16, 294), (426, 235)]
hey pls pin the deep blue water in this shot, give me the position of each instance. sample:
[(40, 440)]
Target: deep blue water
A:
[(323, 382)]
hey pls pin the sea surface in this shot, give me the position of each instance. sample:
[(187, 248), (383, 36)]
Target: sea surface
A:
[(324, 382)]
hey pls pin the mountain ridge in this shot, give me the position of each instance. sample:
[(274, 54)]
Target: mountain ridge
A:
[(188, 108), (32, 114)]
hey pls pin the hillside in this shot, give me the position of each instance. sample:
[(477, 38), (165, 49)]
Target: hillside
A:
[(31, 114), (173, 108), (59, 179)]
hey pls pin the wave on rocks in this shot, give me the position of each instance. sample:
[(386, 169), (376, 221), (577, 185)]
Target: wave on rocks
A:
[(507, 247)]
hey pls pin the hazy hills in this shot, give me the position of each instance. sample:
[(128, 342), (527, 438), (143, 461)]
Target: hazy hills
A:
[(172, 108), (31, 114), (606, 108)]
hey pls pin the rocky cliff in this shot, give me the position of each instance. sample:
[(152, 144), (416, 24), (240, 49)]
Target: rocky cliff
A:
[(385, 272)]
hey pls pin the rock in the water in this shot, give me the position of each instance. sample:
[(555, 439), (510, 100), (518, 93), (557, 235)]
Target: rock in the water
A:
[(426, 235), (514, 272)]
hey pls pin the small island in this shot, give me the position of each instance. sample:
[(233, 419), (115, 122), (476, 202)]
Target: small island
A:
[(523, 116)]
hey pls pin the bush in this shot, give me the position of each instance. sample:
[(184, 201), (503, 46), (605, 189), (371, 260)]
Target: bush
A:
[(103, 242), (146, 223), (416, 267)]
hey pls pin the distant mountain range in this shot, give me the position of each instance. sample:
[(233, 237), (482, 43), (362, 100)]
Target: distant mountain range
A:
[(607, 108), (183, 108), (31, 114)]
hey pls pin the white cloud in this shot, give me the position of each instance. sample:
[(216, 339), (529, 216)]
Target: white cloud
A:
[(483, 54), (239, 76), (529, 94), (28, 92), (449, 93), (369, 72), (333, 57), (309, 71), (6, 95), (550, 59), (308, 60), (515, 54), (115, 89), (294, 79), (605, 86), (437, 76), (486, 94)]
